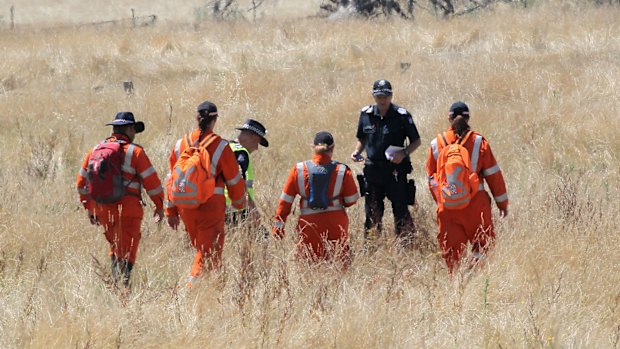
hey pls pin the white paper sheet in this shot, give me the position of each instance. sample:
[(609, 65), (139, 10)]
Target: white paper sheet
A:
[(391, 150)]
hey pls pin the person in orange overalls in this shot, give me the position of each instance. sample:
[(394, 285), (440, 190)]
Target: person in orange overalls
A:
[(326, 187), (205, 224), (472, 224), (121, 220)]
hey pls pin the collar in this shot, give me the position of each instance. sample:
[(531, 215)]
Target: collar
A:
[(321, 158), (121, 136), (387, 113), (196, 133), (452, 136)]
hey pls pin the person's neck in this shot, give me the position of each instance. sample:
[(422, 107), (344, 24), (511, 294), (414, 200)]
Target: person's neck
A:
[(383, 111)]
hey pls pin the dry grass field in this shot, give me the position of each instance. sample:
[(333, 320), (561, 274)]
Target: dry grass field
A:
[(543, 84)]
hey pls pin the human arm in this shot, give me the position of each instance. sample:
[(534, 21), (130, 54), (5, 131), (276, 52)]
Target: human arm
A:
[(492, 173), (285, 203), (360, 145), (350, 195), (82, 188), (151, 182), (431, 170), (412, 135), (233, 178)]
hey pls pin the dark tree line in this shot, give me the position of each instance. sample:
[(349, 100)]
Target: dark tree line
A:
[(407, 8)]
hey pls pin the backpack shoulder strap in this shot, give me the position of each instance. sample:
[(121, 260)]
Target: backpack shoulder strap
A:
[(188, 140), (441, 139), (464, 139), (207, 141)]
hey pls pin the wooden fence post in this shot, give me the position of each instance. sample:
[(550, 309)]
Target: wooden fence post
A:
[(128, 87), (12, 17)]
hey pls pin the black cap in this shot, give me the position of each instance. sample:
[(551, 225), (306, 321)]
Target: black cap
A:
[(126, 118), (382, 87), (323, 137), (256, 127), (459, 108), (207, 108)]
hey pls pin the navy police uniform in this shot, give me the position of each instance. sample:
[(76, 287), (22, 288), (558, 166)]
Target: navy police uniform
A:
[(384, 178)]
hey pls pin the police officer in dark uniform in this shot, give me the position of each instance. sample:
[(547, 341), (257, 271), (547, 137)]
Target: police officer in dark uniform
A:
[(382, 125)]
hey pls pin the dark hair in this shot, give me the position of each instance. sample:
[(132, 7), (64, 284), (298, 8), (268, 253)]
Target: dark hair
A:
[(204, 121)]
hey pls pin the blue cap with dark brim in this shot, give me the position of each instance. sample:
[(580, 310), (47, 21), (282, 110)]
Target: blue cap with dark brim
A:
[(126, 118)]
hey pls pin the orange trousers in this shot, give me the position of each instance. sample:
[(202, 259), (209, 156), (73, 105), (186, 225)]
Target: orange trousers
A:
[(472, 224), (323, 236), (121, 230), (205, 226)]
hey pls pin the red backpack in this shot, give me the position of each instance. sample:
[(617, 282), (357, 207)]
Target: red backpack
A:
[(191, 182), (456, 181), (104, 172)]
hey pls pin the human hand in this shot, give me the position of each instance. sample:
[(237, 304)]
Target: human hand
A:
[(94, 220), (503, 212), (159, 215), (173, 222), (254, 216), (398, 157), (278, 233), (357, 157)]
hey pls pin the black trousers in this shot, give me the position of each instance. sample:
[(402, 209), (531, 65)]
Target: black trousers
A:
[(391, 182)]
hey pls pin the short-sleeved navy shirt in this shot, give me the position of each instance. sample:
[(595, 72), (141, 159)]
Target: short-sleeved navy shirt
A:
[(379, 133)]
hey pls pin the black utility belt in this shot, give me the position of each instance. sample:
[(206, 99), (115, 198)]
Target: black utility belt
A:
[(378, 163)]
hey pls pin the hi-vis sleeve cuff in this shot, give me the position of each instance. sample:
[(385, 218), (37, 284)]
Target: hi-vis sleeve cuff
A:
[(149, 171), (234, 180), (83, 173), (155, 191), (287, 198), (491, 170), (501, 198), (351, 199)]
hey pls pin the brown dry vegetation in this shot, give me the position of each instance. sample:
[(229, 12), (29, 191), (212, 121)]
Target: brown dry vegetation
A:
[(543, 86)]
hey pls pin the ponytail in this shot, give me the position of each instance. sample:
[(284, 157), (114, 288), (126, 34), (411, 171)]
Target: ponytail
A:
[(323, 148), (203, 123)]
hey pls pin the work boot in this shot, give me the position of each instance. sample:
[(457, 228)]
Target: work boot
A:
[(125, 270), (115, 268)]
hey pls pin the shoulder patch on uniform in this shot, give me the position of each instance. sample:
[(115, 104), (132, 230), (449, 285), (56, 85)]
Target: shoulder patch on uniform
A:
[(367, 109), (402, 111), (410, 119)]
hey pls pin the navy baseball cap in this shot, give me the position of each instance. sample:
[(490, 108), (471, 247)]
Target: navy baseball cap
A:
[(207, 108), (382, 87), (127, 118), (256, 127), (323, 137), (459, 108)]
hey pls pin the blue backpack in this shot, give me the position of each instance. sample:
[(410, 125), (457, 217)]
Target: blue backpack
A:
[(319, 176)]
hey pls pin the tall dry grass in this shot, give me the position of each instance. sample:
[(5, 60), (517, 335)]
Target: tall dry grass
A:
[(542, 84)]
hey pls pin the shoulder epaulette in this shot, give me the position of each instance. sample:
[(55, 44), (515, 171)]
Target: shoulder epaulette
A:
[(367, 109)]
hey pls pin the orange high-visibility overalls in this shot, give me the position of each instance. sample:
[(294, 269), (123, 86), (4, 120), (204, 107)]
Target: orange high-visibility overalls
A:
[(472, 224), (121, 220), (205, 224), (317, 227)]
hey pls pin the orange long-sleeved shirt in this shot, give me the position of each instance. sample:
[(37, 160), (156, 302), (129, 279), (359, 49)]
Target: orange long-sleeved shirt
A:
[(137, 172), (342, 189), (486, 167), (223, 166)]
